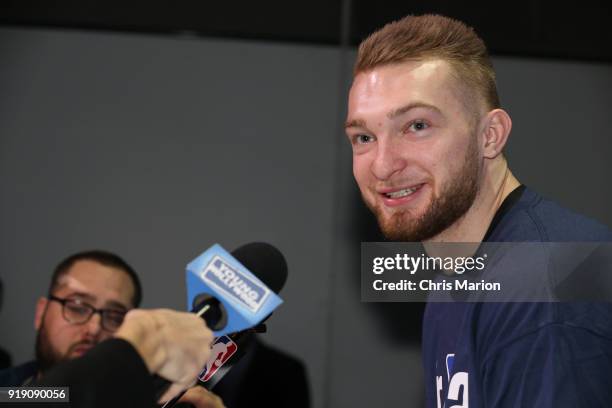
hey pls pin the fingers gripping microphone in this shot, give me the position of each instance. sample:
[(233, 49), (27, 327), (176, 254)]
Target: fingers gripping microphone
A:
[(232, 293)]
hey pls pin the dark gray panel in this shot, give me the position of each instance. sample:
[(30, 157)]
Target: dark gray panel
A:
[(315, 21), (522, 28)]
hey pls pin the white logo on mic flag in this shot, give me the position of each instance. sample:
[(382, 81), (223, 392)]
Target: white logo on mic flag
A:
[(222, 349), (220, 274)]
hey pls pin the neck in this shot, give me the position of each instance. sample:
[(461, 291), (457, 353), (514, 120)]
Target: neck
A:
[(497, 183)]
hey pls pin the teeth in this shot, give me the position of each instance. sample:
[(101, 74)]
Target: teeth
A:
[(401, 193)]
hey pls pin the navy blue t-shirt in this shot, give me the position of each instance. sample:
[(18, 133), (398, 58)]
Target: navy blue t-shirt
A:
[(522, 354)]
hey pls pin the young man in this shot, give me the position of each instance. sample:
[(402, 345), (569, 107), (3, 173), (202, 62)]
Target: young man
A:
[(90, 294), (427, 132)]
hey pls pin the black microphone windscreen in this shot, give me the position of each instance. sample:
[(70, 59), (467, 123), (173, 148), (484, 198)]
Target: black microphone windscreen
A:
[(265, 261)]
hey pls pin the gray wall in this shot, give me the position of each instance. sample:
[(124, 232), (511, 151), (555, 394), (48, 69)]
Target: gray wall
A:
[(158, 147)]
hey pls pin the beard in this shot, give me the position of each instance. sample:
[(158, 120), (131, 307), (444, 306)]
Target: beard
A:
[(455, 199), (46, 355)]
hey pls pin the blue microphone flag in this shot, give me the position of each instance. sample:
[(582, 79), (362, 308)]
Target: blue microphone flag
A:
[(247, 301)]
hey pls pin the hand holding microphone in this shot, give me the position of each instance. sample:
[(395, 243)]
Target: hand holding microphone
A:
[(117, 372), (169, 342), (215, 275), (176, 345), (232, 293)]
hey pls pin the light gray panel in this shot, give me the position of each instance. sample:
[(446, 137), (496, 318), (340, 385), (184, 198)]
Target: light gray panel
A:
[(157, 148), (561, 139)]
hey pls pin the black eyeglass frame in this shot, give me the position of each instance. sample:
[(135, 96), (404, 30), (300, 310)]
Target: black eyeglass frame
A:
[(104, 313)]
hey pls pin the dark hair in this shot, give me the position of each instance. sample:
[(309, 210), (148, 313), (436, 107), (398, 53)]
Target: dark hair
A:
[(104, 258)]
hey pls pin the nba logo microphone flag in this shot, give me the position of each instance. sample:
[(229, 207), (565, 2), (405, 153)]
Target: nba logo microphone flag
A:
[(246, 300), (222, 349)]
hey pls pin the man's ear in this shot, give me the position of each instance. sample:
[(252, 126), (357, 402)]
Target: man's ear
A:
[(41, 307), (495, 131)]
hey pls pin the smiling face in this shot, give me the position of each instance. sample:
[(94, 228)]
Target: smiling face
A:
[(416, 155), (100, 286)]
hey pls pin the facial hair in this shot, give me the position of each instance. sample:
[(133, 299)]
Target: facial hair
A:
[(46, 355), (455, 199)]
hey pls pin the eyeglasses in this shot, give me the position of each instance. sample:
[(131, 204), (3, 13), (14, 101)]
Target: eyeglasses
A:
[(76, 311)]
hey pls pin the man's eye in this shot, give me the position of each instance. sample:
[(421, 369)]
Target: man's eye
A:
[(363, 139), (77, 309), (417, 126), (115, 317)]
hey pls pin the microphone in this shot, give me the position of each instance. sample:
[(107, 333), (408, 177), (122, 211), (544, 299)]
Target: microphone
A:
[(266, 264), (229, 349), (265, 261), (227, 294)]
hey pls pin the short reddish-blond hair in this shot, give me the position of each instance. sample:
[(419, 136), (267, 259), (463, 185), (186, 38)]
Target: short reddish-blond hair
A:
[(415, 38)]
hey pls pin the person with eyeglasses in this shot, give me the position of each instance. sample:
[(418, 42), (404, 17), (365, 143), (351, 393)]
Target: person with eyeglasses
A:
[(90, 335), (89, 294), (76, 311)]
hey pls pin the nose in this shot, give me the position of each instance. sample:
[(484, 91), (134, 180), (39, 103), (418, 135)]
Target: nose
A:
[(388, 160), (94, 324)]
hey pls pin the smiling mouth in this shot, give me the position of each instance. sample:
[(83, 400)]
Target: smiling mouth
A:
[(405, 192)]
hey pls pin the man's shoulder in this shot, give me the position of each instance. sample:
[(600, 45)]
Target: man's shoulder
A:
[(16, 376), (535, 218)]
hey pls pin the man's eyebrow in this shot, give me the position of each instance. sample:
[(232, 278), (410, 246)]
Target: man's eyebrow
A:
[(354, 123), (85, 296), (394, 113), (90, 298), (399, 111)]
